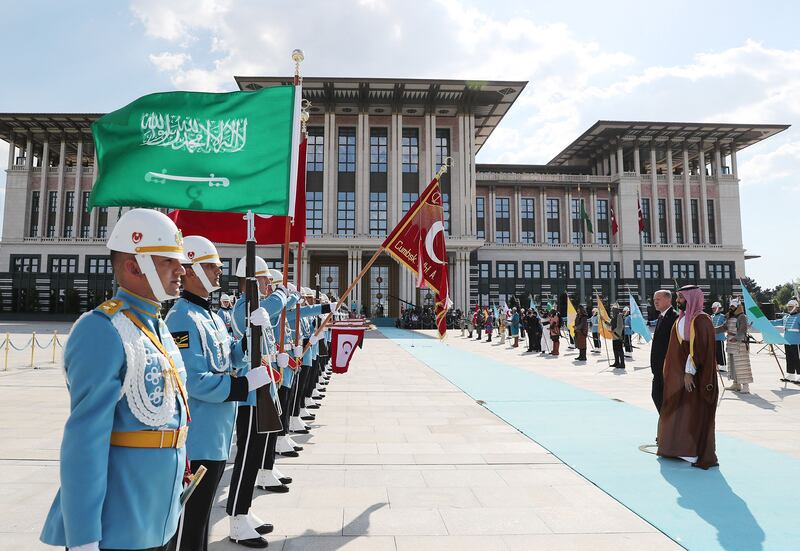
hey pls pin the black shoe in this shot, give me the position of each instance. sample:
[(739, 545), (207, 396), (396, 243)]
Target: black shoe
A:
[(265, 528), (313, 406), (282, 489), (299, 448), (308, 417), (302, 431), (286, 480), (288, 454), (615, 366), (254, 543)]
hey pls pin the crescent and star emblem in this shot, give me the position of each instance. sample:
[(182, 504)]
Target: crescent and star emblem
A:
[(436, 228)]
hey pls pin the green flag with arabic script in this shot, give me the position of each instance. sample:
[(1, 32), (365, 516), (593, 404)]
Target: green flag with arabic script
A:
[(229, 152)]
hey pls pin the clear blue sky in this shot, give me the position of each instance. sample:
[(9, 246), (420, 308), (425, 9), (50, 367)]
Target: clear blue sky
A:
[(731, 61)]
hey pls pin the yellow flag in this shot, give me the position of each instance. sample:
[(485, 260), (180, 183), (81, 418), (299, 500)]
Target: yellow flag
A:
[(605, 331), (571, 315)]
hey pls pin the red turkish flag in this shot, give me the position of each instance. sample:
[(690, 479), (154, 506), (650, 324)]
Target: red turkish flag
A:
[(418, 244), (614, 225), (344, 341), (641, 216), (231, 227)]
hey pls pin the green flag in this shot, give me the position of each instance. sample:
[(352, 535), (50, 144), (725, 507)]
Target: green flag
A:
[(220, 152), (586, 219)]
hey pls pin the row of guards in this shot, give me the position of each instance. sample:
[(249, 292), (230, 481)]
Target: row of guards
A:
[(33, 343)]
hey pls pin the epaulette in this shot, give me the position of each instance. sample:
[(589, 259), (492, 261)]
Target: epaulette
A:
[(110, 307)]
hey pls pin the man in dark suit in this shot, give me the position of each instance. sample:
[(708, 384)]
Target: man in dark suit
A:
[(662, 300)]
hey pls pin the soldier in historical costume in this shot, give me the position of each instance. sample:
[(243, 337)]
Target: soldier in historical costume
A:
[(687, 414), (790, 323), (250, 444), (123, 455), (218, 376), (720, 323), (737, 347), (594, 322), (617, 326), (627, 333), (554, 327), (515, 326), (581, 332), (226, 311)]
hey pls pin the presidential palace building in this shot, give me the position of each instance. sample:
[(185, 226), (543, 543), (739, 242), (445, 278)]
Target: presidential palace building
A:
[(374, 144)]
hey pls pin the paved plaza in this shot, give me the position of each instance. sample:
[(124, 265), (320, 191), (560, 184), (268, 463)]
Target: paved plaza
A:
[(407, 454)]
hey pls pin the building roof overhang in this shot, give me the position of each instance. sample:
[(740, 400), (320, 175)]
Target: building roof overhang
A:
[(605, 134), (488, 100)]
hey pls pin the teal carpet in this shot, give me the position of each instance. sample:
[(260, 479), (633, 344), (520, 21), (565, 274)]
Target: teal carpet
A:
[(751, 502)]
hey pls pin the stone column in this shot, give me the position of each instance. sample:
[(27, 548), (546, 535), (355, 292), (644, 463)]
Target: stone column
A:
[(29, 153), (62, 167), (77, 190), (490, 212), (671, 194), (568, 209), (514, 211), (332, 184), (591, 237), (620, 159), (654, 231), (43, 187), (395, 176), (687, 192), (469, 183), (734, 166), (12, 145), (327, 180), (362, 205), (94, 213), (612, 163), (606, 165), (702, 212), (426, 156), (636, 159), (542, 232)]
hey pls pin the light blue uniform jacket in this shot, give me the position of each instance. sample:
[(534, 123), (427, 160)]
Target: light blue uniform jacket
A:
[(212, 361), (125, 498), (791, 326), (719, 319)]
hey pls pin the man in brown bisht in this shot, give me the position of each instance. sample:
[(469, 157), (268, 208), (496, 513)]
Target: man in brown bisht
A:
[(686, 422)]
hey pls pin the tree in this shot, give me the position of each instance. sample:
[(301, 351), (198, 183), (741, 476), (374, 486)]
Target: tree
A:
[(759, 295)]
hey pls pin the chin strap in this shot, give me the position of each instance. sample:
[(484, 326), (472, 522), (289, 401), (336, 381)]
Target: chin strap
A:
[(201, 275), (148, 268)]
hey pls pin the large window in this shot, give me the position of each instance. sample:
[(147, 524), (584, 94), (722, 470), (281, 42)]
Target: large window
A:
[(601, 232), (25, 263), (409, 198), (662, 221), (329, 279), (446, 212), (347, 149), (605, 270), (652, 269), (442, 146), (720, 270), (678, 221), (378, 149), (553, 216), (315, 149), (587, 268), (502, 220), (527, 214), (532, 270), (52, 207), (410, 150), (558, 270), (33, 226), (506, 270), (102, 222), (695, 205), (484, 270), (69, 212), (480, 217), (377, 213), (346, 213), (98, 264), (227, 266), (62, 264), (712, 223), (646, 235), (379, 289), (86, 215), (314, 212), (684, 270)]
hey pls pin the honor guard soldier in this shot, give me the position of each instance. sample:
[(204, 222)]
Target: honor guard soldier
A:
[(218, 376), (719, 321), (226, 311), (791, 332), (250, 444), (123, 455)]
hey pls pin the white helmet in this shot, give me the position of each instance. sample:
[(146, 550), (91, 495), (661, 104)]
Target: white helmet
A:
[(146, 233), (276, 276), (306, 292), (792, 305), (261, 267), (201, 251), (291, 287), (225, 297)]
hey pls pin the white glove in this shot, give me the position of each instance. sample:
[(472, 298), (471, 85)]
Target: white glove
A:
[(87, 547), (259, 317), (314, 339), (298, 351), (283, 360), (282, 289), (256, 378)]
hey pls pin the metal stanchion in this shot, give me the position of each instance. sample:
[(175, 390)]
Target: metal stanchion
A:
[(55, 334), (8, 345), (33, 348)]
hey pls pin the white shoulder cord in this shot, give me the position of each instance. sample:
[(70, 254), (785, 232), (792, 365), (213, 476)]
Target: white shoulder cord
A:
[(156, 408), (218, 358)]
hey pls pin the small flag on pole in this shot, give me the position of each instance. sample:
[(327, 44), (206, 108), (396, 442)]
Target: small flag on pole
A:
[(757, 318), (614, 225), (605, 331), (571, 315), (586, 219), (638, 323), (641, 216)]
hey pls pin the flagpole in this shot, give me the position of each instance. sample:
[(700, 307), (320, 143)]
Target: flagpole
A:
[(612, 272), (643, 291), (580, 246)]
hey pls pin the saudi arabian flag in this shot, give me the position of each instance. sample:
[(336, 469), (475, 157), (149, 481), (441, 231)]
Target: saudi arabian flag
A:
[(230, 152), (758, 320)]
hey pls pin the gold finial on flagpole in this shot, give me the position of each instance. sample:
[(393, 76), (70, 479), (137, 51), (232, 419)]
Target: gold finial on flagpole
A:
[(448, 162), (297, 56)]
